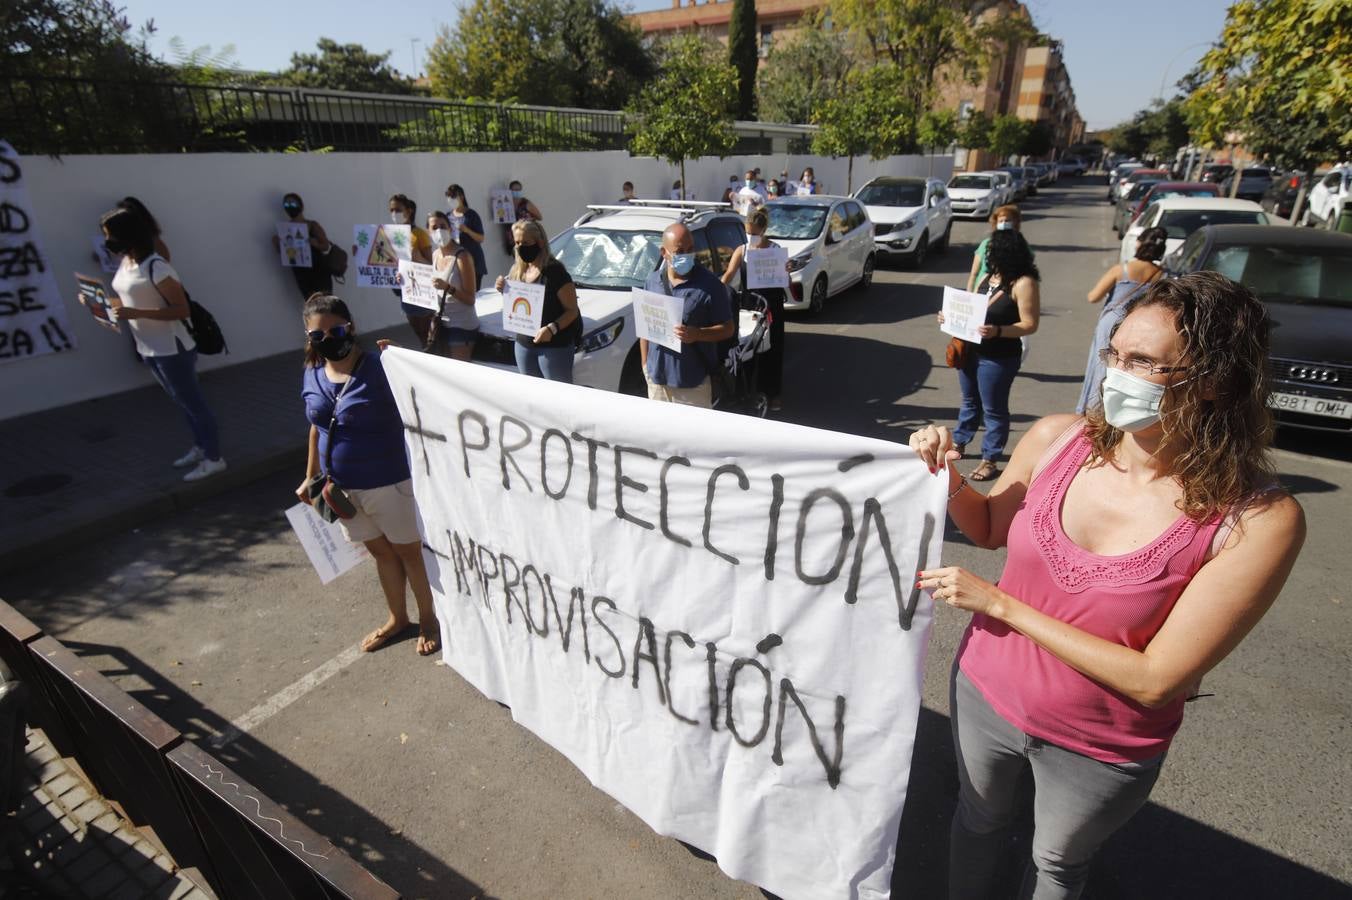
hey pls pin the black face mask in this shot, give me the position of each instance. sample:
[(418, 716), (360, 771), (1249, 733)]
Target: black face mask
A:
[(115, 246), (333, 348), (528, 252), (292, 209)]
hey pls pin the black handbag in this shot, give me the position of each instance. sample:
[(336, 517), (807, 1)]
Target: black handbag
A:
[(327, 496)]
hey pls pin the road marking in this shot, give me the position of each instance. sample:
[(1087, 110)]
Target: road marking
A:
[(286, 696)]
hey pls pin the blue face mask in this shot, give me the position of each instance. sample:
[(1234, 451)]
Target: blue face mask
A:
[(516, 195), (682, 263)]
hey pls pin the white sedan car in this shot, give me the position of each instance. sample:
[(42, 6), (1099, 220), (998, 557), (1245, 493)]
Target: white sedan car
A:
[(1181, 216), (830, 244), (975, 195)]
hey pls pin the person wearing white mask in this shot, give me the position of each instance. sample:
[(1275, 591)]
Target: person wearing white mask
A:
[(459, 325), (1144, 541), (770, 371), (404, 211), (467, 228), (1005, 218), (748, 198)]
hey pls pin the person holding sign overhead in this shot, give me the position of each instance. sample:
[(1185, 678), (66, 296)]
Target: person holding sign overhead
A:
[(1012, 312), (549, 352), (686, 377), (459, 325), (770, 372)]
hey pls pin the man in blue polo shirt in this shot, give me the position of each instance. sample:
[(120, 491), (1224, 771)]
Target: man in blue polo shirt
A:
[(685, 377)]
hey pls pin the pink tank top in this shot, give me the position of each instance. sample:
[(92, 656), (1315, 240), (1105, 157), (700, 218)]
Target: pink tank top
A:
[(1124, 599)]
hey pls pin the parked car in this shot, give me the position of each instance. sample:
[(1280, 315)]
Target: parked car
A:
[(1280, 198), (1181, 216), (1004, 183), (1305, 280), (1143, 193), (1119, 168), (1022, 188), (1253, 183), (608, 252), (1046, 172), (1327, 197), (911, 217), (1030, 178), (975, 195), (1120, 187), (1071, 165), (1216, 172), (830, 244)]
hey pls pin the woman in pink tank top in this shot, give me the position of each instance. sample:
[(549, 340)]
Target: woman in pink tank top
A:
[(1144, 542)]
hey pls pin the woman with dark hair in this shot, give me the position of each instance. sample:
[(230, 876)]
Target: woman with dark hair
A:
[(470, 226), (317, 278), (357, 439), (153, 303), (1144, 542), (1119, 284), (770, 372), (459, 327), (136, 206), (1004, 218), (1012, 312)]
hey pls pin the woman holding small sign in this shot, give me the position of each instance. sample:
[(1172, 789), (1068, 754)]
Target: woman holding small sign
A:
[(549, 352), (1144, 540), (315, 278), (458, 327), (770, 371)]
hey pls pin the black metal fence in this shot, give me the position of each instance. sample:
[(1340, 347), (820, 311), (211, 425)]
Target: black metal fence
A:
[(59, 116)]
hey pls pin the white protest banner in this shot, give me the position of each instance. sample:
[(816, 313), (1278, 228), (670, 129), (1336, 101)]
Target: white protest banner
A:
[(32, 314), (93, 296), (377, 249), (714, 617), (417, 285), (293, 244), (108, 260), (330, 553), (504, 207), (656, 317), (523, 307), (767, 268), (964, 314)]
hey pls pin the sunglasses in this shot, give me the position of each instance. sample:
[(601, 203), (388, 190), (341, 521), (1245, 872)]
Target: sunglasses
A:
[(337, 331)]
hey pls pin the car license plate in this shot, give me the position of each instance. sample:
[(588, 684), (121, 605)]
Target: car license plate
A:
[(1315, 406)]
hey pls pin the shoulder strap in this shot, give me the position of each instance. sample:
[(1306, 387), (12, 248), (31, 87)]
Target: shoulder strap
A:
[(1056, 447), (333, 422)]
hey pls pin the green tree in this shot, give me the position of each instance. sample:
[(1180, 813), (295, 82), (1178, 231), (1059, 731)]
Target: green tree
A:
[(686, 111), (744, 55), (869, 116), (595, 53), (936, 131), (802, 73), (344, 67), (1008, 134), (1038, 139), (975, 133), (74, 38)]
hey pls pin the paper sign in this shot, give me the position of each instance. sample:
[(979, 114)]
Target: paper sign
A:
[(417, 285), (964, 314), (767, 268), (715, 619), (94, 297), (108, 261), (656, 317), (377, 250), (523, 307), (293, 244), (504, 207), (329, 552)]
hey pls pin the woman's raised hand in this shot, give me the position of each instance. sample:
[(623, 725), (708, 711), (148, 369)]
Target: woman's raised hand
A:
[(934, 445)]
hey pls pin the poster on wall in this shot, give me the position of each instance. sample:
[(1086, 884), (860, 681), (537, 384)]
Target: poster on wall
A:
[(94, 297), (32, 314), (377, 249), (504, 209), (293, 244)]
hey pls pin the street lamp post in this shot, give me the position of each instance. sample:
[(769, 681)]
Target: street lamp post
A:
[(413, 51)]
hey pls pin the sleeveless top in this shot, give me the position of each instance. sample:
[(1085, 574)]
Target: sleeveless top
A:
[(454, 313), (1124, 599), (1004, 310), (1109, 316)]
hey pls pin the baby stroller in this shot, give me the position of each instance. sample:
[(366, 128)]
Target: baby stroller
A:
[(737, 388)]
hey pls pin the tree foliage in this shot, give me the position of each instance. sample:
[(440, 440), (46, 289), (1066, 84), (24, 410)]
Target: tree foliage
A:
[(344, 67), (1038, 139), (975, 133), (938, 129), (870, 115), (1156, 132), (744, 55), (74, 38), (1008, 135), (686, 111), (802, 73)]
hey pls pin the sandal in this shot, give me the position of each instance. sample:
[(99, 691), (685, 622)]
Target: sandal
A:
[(382, 636), (983, 472), (962, 450)]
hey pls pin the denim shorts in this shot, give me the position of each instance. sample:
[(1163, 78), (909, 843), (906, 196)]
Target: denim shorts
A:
[(457, 337)]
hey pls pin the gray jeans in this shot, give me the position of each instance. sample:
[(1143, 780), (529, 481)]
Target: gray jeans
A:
[(1078, 802)]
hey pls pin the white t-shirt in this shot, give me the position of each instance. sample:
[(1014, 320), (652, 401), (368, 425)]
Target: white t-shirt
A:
[(154, 337)]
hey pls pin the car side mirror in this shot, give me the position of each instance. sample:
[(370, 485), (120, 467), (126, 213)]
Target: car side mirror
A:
[(934, 201)]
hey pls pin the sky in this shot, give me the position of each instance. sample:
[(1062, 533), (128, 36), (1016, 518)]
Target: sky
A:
[(1117, 53)]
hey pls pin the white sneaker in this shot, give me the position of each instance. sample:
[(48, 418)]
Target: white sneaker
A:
[(191, 458), (205, 469)]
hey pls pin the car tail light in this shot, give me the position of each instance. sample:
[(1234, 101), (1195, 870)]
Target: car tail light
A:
[(1295, 181)]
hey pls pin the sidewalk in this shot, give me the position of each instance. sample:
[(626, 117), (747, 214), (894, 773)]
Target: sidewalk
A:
[(74, 473)]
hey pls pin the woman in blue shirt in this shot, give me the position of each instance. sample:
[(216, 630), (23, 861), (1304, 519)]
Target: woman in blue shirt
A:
[(357, 439)]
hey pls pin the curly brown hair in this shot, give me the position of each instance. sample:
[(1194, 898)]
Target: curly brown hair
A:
[(1217, 419)]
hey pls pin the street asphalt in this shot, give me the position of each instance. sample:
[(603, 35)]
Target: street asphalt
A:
[(213, 615)]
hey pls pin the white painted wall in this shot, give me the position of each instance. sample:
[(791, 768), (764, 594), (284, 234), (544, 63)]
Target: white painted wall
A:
[(218, 210)]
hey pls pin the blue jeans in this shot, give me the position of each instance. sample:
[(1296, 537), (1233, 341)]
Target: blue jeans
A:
[(552, 363), (177, 374), (985, 386)]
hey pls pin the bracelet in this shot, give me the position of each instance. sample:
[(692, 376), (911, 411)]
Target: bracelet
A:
[(962, 483), (553, 328)]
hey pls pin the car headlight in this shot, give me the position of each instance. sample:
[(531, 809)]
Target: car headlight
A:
[(602, 337), (907, 225), (799, 262)]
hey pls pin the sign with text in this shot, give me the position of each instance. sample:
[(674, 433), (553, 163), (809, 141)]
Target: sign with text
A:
[(417, 285), (656, 317), (768, 268), (293, 244), (330, 552), (376, 251), (32, 314), (523, 307), (720, 606), (964, 314), (94, 297), (500, 200)]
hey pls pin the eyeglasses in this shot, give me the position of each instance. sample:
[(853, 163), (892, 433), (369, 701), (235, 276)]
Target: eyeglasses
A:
[(1135, 366), (337, 331)]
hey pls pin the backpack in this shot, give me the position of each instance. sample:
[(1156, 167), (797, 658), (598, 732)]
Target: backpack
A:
[(201, 324)]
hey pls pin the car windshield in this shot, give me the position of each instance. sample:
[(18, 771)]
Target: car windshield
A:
[(1255, 173), (979, 182), (1181, 192), (892, 195), (1292, 273), (790, 222), (601, 258), (1179, 223), (1140, 189)]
